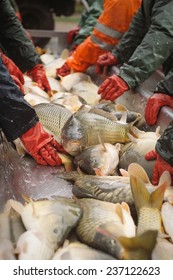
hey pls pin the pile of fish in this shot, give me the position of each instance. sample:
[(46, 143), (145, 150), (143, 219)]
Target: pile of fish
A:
[(115, 212)]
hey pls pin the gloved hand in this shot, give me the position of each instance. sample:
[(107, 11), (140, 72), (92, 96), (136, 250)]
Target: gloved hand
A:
[(42, 146), (18, 83), (154, 104), (112, 88), (105, 60), (160, 166), (38, 74), (64, 70), (12, 68), (71, 34)]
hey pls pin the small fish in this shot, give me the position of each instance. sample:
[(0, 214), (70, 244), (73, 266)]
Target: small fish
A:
[(147, 205), (54, 218), (83, 130), (167, 218), (101, 159), (80, 251), (99, 216)]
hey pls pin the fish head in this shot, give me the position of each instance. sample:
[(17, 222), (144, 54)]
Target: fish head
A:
[(73, 137)]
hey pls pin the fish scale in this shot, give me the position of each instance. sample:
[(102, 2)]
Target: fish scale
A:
[(149, 219)]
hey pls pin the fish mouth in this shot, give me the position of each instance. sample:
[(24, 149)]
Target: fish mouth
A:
[(73, 147), (79, 192)]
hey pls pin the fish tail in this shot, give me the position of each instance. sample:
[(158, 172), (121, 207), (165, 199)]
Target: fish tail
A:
[(139, 247), (143, 198)]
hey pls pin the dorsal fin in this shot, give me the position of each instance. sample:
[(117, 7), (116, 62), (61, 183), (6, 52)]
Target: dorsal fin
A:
[(120, 108), (137, 170), (119, 212)]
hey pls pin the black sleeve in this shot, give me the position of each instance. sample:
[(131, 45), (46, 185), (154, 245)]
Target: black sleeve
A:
[(16, 115)]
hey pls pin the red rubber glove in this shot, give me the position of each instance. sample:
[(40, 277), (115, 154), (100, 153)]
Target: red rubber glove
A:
[(64, 70), (18, 83), (71, 34), (12, 68), (18, 15), (38, 74), (112, 88), (154, 104), (105, 60), (42, 146), (160, 166)]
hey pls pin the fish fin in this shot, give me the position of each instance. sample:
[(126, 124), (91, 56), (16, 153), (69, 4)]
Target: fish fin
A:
[(119, 212), (118, 147), (98, 172), (70, 176), (136, 131), (123, 118), (132, 138), (102, 113), (101, 142), (67, 161), (143, 198), (34, 214), (26, 198), (14, 204), (165, 177), (126, 207), (139, 247), (124, 172), (140, 193), (158, 131), (138, 171), (120, 107)]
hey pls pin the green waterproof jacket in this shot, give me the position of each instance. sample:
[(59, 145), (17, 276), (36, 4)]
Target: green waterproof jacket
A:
[(13, 39), (88, 20), (164, 145), (148, 44)]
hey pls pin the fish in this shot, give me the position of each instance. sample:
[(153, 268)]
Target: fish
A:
[(33, 245), (53, 218), (135, 151), (116, 219), (6, 246), (53, 118), (79, 251), (114, 188), (147, 205), (101, 159), (32, 87), (84, 129), (167, 218), (139, 247), (81, 85), (163, 250)]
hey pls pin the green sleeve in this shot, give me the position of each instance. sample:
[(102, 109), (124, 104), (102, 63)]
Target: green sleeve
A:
[(88, 21), (164, 145), (14, 39), (155, 47)]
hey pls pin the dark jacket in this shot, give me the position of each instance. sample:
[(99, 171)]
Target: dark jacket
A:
[(164, 145), (16, 115), (148, 43), (88, 20), (13, 39)]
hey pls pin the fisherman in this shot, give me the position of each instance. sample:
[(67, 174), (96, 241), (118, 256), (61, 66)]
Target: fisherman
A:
[(163, 154), (19, 120), (86, 24), (146, 46), (16, 45), (110, 27)]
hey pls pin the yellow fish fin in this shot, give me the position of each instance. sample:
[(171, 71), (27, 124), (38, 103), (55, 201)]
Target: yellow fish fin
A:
[(98, 172), (119, 212), (120, 107), (67, 161), (139, 247), (26, 198), (156, 197), (140, 193), (138, 171), (123, 118), (125, 206), (124, 172), (165, 177)]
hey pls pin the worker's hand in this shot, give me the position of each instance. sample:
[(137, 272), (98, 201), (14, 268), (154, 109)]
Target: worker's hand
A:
[(64, 70), (112, 88), (42, 146), (154, 104), (12, 68), (160, 166), (71, 34), (38, 74), (105, 60)]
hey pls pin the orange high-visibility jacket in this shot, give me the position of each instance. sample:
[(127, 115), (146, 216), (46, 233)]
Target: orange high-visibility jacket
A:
[(110, 27)]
